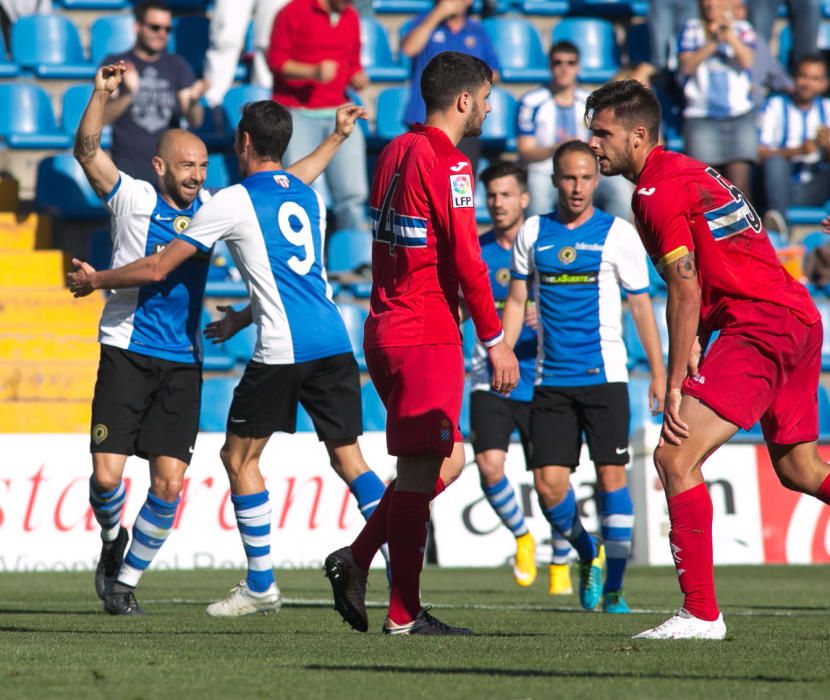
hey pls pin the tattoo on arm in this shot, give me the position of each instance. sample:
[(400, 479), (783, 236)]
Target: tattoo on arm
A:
[(87, 145), (686, 267)]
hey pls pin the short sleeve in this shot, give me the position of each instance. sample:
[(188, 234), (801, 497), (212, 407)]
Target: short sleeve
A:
[(771, 124), (629, 257), (526, 118), (691, 37), (662, 215), (215, 220), (521, 265), (130, 196), (745, 33)]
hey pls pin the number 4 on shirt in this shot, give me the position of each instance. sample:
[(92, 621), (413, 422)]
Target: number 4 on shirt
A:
[(385, 231)]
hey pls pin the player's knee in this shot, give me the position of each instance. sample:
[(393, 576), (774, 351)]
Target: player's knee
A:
[(669, 464), (490, 471), (232, 460), (167, 489), (550, 492), (105, 481)]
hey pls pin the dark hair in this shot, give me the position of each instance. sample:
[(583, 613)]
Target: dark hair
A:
[(145, 6), (574, 146), (633, 104), (505, 168), (449, 74), (564, 47), (269, 126), (810, 58)]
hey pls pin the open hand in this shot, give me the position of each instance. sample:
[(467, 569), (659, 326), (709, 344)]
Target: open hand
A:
[(227, 326), (80, 281)]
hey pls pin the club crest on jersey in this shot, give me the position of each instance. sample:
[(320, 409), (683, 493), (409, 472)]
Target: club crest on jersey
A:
[(282, 181), (567, 255), (446, 433), (462, 190), (180, 223), (99, 433), (503, 276)]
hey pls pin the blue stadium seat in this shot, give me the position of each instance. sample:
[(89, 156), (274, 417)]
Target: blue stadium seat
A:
[(99, 253), (823, 411), (62, 190), (94, 4), (241, 346), (633, 346), (7, 68), (468, 341), (813, 240), (402, 7), (599, 55), (236, 98), (464, 419), (354, 317), (374, 412), (519, 49), (223, 170), (638, 44), (49, 46), (639, 405), (611, 8), (671, 121), (785, 41), (111, 35), (74, 103), (304, 422), (217, 394), (498, 133), (656, 284), (502, 6), (824, 309), (376, 54), (348, 251), (27, 119), (215, 358), (190, 39), (546, 8), (390, 111), (806, 216)]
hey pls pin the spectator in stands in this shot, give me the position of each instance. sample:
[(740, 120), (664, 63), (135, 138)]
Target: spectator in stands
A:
[(715, 55), (446, 27), (550, 115), (315, 58), (11, 10), (665, 20), (795, 144), (158, 89), (804, 15), (228, 27)]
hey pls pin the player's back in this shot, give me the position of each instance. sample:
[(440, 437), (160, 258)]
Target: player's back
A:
[(735, 259)]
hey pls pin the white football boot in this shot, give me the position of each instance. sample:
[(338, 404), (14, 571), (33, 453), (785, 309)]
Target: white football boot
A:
[(686, 626)]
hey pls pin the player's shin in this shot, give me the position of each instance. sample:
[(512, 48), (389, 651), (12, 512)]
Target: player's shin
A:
[(502, 499), (107, 507), (617, 521), (151, 528), (407, 527), (564, 517), (253, 516)]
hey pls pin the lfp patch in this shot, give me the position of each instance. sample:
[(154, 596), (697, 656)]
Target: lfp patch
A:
[(461, 187)]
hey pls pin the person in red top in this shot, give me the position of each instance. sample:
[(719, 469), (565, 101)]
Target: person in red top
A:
[(425, 249), (315, 58), (722, 275)]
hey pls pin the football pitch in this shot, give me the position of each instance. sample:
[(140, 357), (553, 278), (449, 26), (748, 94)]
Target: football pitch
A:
[(56, 642)]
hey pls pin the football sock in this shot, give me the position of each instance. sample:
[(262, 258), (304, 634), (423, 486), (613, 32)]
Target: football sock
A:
[(367, 490), (617, 520), (107, 507), (502, 498), (253, 515), (565, 518), (150, 530), (824, 490), (690, 513), (406, 533), (561, 548)]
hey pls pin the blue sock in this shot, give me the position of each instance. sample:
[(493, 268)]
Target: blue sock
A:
[(565, 518), (107, 507), (367, 490), (253, 516), (153, 524), (502, 498), (617, 518), (561, 548)]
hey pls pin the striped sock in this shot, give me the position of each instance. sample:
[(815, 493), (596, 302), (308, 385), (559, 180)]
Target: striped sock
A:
[(502, 498), (565, 519), (153, 524), (617, 519), (107, 507), (253, 515), (561, 548), (367, 490)]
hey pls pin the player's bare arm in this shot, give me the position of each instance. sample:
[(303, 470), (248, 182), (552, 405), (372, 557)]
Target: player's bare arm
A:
[(682, 319), (642, 312), (310, 167), (97, 165), (153, 268), (229, 325), (513, 313)]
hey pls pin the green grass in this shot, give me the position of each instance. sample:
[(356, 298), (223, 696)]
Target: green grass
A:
[(56, 642)]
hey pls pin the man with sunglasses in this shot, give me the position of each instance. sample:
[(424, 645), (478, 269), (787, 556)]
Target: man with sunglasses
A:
[(158, 89)]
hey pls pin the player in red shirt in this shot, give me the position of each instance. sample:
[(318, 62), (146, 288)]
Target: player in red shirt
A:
[(425, 249), (722, 274)]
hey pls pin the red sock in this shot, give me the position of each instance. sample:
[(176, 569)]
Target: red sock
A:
[(373, 534), (690, 513), (824, 490), (406, 534)]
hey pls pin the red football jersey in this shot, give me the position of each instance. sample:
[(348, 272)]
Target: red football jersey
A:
[(426, 246), (682, 205)]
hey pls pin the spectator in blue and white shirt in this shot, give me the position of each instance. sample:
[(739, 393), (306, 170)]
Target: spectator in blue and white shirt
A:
[(716, 53), (795, 141)]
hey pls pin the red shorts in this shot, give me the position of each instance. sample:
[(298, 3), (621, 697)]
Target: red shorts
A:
[(764, 365), (422, 388)]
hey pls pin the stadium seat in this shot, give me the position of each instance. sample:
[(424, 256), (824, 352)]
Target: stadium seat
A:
[(402, 7), (217, 394), (376, 54), (498, 133), (502, 6), (236, 98), (49, 46), (813, 240), (390, 111), (190, 39), (223, 170), (468, 341), (354, 317), (599, 56), (348, 251), (805, 216), (671, 115), (633, 346), (111, 35), (7, 68), (74, 103), (785, 41), (656, 284), (519, 49), (545, 8), (27, 119), (63, 190), (99, 254), (824, 309), (374, 412), (639, 405), (94, 4), (214, 356), (464, 419), (304, 422), (241, 346), (638, 44), (611, 8)]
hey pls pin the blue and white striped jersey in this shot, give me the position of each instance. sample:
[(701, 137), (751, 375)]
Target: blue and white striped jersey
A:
[(577, 274), (785, 125), (275, 227), (162, 319)]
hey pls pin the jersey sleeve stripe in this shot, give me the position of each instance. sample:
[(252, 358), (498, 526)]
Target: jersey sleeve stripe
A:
[(114, 190), (187, 239), (671, 257), (637, 291), (517, 275), (493, 341)]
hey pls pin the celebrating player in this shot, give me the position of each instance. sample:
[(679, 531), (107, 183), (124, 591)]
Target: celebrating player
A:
[(577, 258), (722, 274), (426, 246)]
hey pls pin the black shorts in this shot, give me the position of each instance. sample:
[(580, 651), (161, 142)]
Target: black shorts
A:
[(145, 406), (560, 416), (494, 418), (265, 401)]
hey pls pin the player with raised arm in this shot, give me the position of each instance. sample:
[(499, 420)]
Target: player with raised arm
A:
[(426, 248), (722, 274), (576, 259)]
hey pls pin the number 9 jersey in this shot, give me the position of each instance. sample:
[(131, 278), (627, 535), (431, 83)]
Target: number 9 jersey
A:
[(275, 225)]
